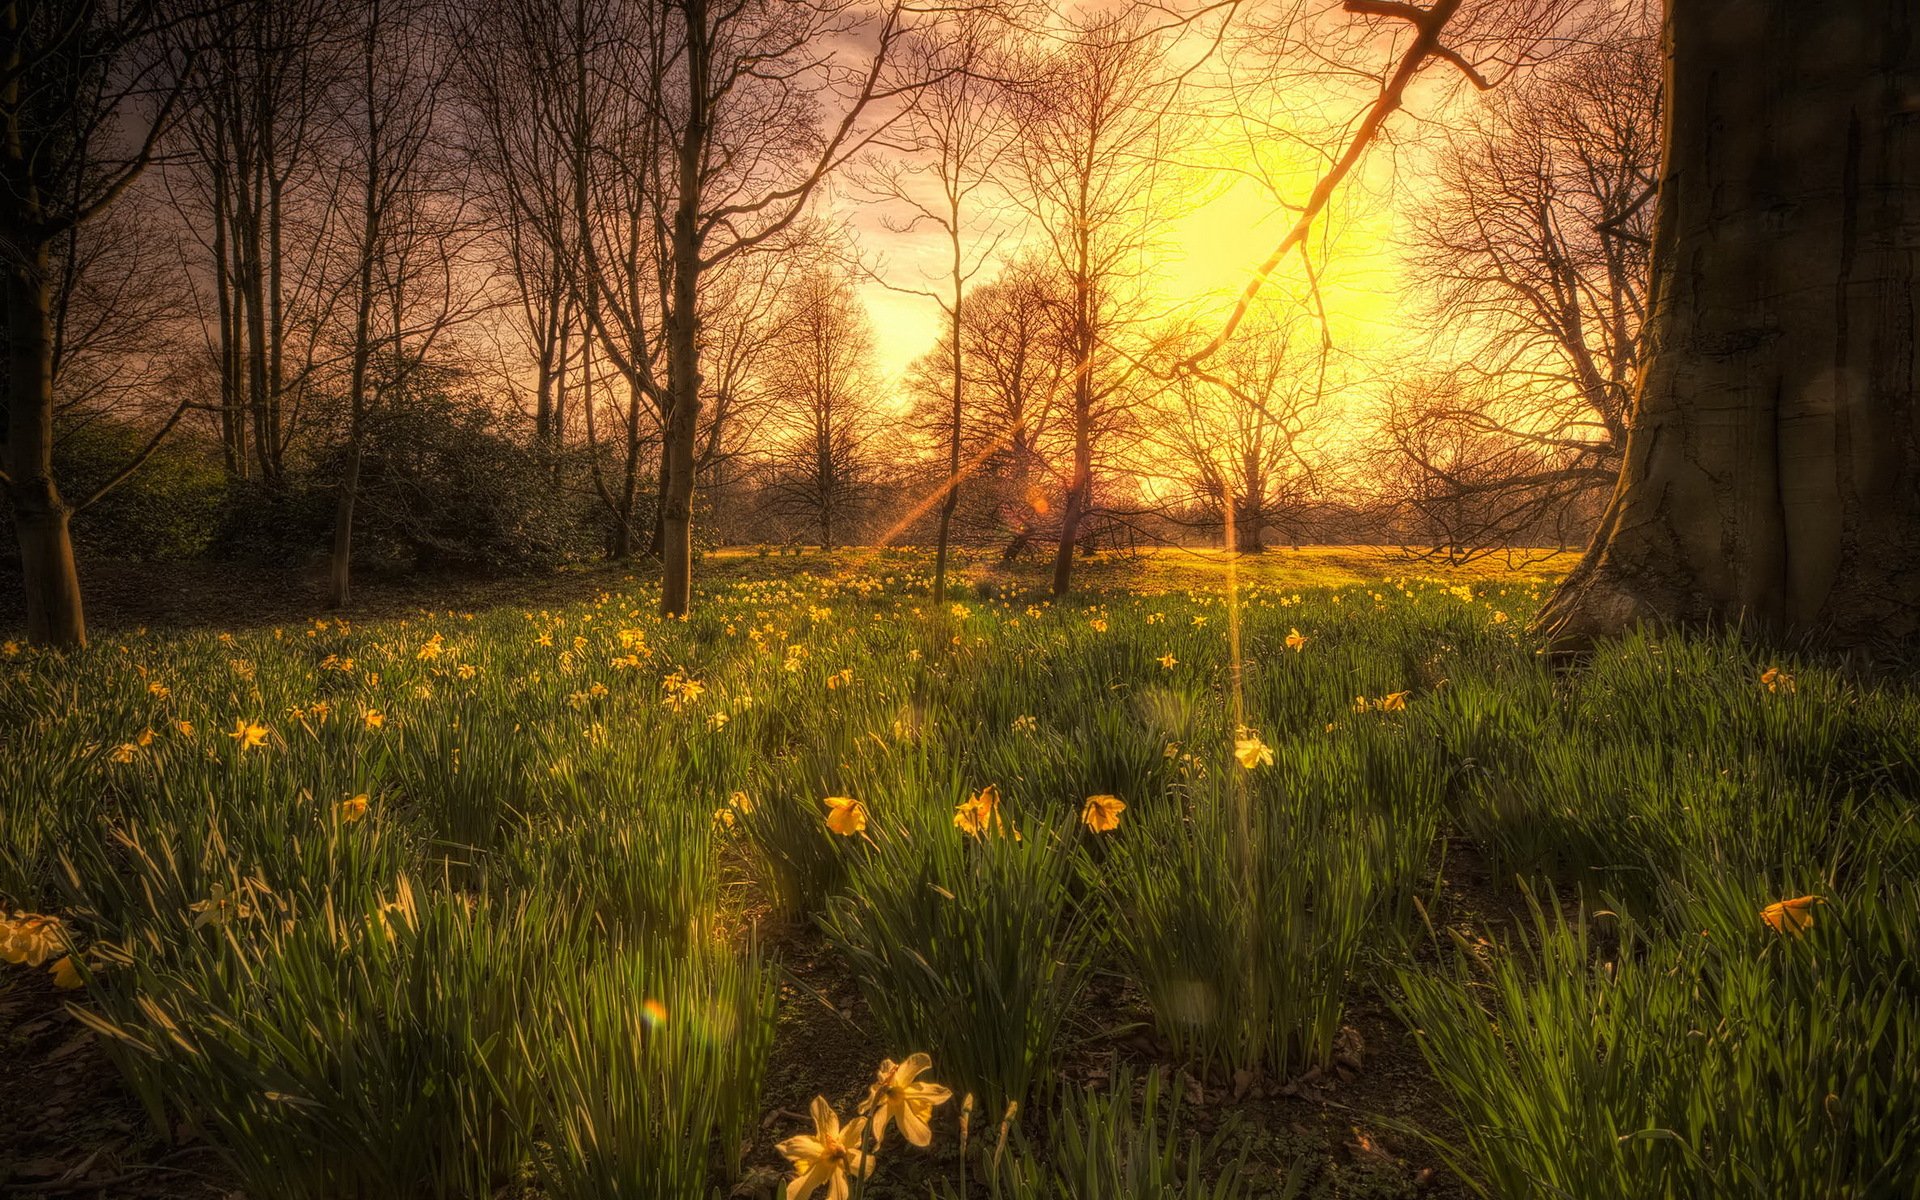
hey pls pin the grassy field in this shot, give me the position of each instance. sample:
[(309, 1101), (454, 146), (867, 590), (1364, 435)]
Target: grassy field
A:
[(1296, 877)]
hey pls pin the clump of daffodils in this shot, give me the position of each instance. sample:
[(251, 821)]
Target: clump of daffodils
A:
[(835, 1154), (30, 939), (979, 815)]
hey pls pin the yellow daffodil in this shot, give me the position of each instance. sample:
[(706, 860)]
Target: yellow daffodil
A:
[(1793, 916), (29, 939), (1251, 751), (1394, 701), (1168, 661), (830, 1155), (250, 734), (845, 815), (979, 814), (219, 907), (1102, 813), (185, 728), (1499, 618), (897, 1097), (1296, 641), (65, 974), (374, 718), (351, 809), (1776, 680), (123, 753)]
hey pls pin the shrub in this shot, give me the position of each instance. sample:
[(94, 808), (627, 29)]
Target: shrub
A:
[(168, 509)]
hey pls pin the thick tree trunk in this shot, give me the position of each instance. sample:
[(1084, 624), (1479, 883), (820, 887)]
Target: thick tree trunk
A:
[(1772, 472), (1249, 529), (40, 514)]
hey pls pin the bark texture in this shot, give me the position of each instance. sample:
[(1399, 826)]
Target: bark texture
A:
[(1772, 472), (40, 514)]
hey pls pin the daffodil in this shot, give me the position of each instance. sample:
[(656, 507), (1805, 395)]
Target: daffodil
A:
[(65, 974), (1251, 751), (351, 809), (373, 717), (1168, 661), (1776, 680), (1102, 813), (979, 814), (896, 1097), (1296, 641), (250, 734), (830, 1155), (219, 907), (1394, 702), (1793, 916), (30, 939), (845, 815)]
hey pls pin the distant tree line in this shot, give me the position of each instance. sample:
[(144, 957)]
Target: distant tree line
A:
[(412, 284)]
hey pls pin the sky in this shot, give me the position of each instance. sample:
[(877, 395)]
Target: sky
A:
[(1208, 252)]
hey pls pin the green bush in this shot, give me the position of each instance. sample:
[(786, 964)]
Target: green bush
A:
[(168, 509)]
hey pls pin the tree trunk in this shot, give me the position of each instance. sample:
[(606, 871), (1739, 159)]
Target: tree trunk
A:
[(1772, 471), (1070, 527), (683, 327), (1249, 529), (340, 561), (40, 515)]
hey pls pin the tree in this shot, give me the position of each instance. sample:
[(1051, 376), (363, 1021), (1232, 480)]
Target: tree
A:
[(516, 134), (1242, 428), (822, 368), (1091, 119), (763, 100), (1772, 472), (1534, 248), (258, 193), (1013, 359), (407, 289), (955, 135), (70, 75)]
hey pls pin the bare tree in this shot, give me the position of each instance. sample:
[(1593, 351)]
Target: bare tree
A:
[(1092, 118), (761, 102), (942, 170), (1535, 249), (70, 75), (408, 288), (260, 198), (822, 368), (516, 132), (1244, 428)]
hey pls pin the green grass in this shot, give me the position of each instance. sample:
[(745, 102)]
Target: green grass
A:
[(544, 950)]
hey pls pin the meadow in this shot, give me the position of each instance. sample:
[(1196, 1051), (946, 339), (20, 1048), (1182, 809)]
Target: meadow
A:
[(1297, 877)]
